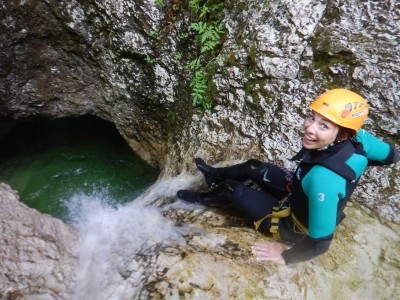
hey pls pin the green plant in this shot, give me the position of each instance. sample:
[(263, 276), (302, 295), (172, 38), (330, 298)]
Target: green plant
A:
[(149, 60), (179, 56), (183, 35), (155, 34), (195, 5), (160, 3), (209, 30), (195, 64), (207, 27), (198, 84), (208, 34)]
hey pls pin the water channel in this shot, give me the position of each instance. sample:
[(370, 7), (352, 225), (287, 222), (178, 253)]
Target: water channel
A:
[(49, 162), (82, 171)]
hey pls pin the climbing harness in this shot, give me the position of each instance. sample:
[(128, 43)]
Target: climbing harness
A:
[(298, 227), (281, 211)]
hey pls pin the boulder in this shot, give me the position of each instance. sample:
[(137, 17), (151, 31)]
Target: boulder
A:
[(38, 252)]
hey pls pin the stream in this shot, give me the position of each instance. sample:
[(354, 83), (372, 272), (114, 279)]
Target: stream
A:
[(50, 162)]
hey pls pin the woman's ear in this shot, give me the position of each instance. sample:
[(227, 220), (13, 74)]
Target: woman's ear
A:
[(344, 134)]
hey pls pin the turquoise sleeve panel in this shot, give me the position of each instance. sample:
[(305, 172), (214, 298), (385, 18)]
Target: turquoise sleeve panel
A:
[(358, 163), (374, 147), (324, 188)]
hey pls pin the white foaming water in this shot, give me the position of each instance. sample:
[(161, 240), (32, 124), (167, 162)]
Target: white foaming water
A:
[(113, 240), (111, 237)]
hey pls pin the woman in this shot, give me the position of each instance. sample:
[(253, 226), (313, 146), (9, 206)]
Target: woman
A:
[(302, 208)]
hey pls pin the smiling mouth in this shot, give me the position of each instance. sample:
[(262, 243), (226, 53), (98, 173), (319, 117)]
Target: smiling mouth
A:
[(307, 138)]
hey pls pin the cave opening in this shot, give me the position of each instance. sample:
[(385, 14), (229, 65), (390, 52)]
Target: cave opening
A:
[(50, 161)]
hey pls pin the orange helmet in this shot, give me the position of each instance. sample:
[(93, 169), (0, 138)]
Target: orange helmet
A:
[(343, 107)]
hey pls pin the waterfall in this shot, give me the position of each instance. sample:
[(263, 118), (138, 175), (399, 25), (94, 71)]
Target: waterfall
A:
[(111, 237)]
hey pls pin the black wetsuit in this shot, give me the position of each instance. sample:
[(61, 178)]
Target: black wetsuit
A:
[(317, 191)]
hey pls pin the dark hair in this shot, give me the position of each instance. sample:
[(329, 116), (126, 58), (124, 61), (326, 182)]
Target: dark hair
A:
[(344, 134)]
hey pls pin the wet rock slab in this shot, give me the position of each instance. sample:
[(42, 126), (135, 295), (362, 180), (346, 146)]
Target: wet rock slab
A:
[(37, 252)]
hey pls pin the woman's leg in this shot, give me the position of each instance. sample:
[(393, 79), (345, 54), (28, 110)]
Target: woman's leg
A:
[(219, 195), (237, 172), (254, 205), (270, 177)]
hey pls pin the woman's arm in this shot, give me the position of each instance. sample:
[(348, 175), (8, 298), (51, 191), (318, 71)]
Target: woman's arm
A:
[(324, 189), (378, 152), (307, 249)]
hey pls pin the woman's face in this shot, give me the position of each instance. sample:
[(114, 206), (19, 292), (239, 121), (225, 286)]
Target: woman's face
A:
[(318, 131)]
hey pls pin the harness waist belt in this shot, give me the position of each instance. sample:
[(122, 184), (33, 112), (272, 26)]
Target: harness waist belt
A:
[(275, 216)]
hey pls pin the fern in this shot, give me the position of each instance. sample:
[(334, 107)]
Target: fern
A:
[(208, 35), (160, 3)]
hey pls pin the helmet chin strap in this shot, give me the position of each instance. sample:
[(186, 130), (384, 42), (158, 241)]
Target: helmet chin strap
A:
[(336, 141), (327, 146)]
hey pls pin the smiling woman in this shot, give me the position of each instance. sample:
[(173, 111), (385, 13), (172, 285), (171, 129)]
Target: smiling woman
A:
[(319, 132), (49, 161), (301, 209)]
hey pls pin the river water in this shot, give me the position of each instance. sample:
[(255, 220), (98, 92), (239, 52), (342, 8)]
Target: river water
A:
[(112, 239), (51, 161), (81, 171)]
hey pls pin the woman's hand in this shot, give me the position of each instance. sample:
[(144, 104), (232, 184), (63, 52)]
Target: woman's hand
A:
[(269, 251)]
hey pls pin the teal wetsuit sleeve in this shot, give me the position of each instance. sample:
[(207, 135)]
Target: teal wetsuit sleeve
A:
[(308, 248), (377, 150), (324, 189)]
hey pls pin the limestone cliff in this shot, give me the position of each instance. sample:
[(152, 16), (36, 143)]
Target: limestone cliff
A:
[(124, 61), (38, 254)]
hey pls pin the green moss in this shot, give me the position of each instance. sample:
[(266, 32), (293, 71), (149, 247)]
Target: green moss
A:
[(323, 60), (171, 118), (256, 99), (243, 7), (306, 73), (230, 59), (332, 13), (252, 60), (254, 88), (240, 37)]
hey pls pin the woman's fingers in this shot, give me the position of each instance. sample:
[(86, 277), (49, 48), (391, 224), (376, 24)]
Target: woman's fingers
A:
[(269, 251)]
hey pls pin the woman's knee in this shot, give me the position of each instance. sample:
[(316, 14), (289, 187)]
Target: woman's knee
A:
[(253, 163), (253, 204)]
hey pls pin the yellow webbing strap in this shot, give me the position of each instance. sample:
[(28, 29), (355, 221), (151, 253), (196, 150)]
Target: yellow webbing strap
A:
[(275, 216), (300, 225)]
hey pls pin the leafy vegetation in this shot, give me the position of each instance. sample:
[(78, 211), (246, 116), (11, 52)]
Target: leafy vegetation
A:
[(209, 30), (149, 60), (207, 27), (160, 3)]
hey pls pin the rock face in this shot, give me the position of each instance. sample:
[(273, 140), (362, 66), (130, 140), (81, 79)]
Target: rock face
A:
[(37, 252), (124, 61)]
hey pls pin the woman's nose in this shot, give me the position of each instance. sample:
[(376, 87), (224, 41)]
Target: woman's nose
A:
[(310, 128)]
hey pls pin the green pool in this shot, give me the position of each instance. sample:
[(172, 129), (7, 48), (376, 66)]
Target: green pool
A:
[(50, 161)]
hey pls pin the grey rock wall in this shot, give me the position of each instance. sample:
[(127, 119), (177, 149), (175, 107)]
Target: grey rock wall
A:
[(118, 60), (277, 57), (38, 255)]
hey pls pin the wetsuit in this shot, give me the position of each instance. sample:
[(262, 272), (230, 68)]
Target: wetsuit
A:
[(317, 191)]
